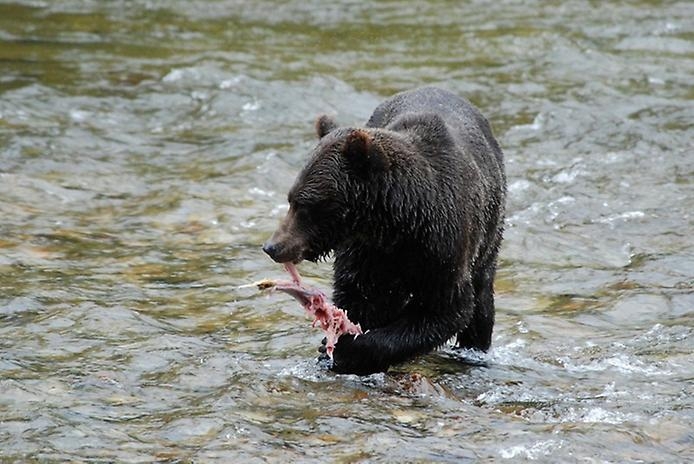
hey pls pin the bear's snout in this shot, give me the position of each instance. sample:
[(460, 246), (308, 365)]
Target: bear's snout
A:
[(288, 244), (284, 247), (272, 250)]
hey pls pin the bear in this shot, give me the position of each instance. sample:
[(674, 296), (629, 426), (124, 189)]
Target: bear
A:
[(412, 207)]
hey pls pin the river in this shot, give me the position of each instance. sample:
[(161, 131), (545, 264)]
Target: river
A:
[(146, 148)]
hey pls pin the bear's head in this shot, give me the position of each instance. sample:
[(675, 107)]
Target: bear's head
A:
[(331, 192)]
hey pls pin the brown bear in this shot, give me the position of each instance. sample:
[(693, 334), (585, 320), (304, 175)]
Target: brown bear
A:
[(412, 206)]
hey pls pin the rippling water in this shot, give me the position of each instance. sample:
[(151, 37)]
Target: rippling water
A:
[(146, 148)]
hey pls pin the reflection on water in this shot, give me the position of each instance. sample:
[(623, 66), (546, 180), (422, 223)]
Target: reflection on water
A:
[(146, 150)]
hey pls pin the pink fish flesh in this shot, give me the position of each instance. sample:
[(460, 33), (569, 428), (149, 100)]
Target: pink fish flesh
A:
[(330, 318)]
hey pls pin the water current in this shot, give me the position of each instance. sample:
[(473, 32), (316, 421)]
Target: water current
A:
[(146, 148)]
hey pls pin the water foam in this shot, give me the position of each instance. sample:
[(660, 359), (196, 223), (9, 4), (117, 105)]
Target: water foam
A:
[(532, 452)]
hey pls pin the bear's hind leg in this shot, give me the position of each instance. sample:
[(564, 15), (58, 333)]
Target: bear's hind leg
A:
[(478, 333)]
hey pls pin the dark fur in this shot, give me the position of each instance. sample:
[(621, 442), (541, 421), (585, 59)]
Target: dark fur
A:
[(412, 206)]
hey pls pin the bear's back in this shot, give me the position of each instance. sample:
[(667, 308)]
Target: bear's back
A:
[(453, 109), (468, 129)]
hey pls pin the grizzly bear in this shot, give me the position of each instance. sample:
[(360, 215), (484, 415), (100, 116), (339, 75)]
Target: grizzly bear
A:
[(412, 206)]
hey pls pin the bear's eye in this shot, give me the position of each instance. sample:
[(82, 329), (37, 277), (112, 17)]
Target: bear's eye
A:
[(297, 205), (306, 218), (300, 202), (308, 211)]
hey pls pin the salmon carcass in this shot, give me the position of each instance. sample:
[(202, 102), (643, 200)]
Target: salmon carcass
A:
[(330, 318)]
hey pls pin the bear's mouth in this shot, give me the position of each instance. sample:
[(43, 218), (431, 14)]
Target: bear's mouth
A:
[(313, 256), (292, 251), (308, 255)]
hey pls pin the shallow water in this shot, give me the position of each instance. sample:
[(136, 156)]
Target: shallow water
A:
[(146, 148)]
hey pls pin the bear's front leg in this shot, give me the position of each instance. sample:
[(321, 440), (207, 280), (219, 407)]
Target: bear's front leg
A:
[(361, 355), (349, 361), (420, 333)]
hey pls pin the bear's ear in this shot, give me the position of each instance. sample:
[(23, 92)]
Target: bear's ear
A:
[(324, 125), (364, 153)]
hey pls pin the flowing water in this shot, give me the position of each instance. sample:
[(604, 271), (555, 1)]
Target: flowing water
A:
[(146, 148)]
